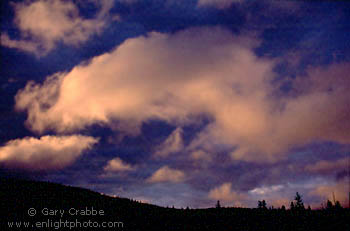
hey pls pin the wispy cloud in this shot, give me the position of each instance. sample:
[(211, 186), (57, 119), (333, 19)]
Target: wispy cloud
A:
[(27, 46), (324, 166), (172, 144)]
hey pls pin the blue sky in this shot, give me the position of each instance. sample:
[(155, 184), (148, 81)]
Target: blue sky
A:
[(179, 102)]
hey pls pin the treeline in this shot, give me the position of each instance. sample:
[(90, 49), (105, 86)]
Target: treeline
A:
[(298, 205), (17, 197)]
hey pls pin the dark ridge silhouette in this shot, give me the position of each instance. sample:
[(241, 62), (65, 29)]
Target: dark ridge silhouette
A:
[(82, 206)]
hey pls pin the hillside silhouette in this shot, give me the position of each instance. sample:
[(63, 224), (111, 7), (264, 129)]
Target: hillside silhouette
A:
[(81, 206)]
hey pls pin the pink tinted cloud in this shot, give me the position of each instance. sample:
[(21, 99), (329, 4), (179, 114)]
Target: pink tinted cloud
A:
[(118, 165), (326, 192), (200, 71), (45, 153), (166, 174), (324, 166), (172, 144), (45, 22), (228, 196)]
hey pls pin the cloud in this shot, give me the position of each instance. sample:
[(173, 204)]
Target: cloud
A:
[(274, 195), (118, 165), (166, 174), (128, 1), (221, 4), (28, 46), (173, 80), (178, 78), (315, 111), (200, 155), (266, 189), (226, 194), (324, 166), (43, 23), (339, 189), (172, 144), (45, 153), (279, 202)]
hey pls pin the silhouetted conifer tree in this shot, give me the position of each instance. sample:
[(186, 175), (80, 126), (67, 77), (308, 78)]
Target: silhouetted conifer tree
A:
[(299, 202), (218, 206), (262, 204), (292, 207), (329, 204), (337, 205)]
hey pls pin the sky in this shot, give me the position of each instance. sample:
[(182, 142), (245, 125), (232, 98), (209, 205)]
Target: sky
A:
[(179, 102)]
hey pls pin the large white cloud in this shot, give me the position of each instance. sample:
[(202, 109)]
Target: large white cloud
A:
[(45, 22), (45, 153), (180, 77)]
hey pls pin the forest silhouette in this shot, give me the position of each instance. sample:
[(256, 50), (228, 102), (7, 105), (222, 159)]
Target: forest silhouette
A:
[(17, 197)]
